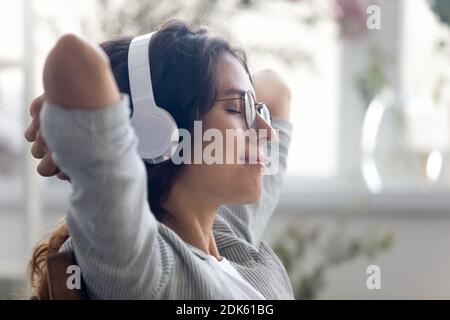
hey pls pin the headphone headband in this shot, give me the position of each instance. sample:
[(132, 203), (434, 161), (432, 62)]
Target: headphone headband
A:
[(139, 73)]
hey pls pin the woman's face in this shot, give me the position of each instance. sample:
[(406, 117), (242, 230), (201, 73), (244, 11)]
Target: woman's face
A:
[(230, 183)]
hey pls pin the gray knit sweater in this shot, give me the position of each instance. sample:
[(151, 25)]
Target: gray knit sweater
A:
[(122, 250)]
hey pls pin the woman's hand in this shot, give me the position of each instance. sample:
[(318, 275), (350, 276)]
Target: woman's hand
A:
[(274, 91), (39, 149)]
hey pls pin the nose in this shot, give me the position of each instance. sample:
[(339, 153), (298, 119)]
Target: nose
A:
[(269, 133)]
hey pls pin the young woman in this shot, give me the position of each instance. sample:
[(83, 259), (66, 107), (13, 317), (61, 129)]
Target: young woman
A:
[(159, 231)]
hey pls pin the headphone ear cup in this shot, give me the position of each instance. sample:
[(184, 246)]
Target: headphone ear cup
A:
[(155, 128), (158, 136)]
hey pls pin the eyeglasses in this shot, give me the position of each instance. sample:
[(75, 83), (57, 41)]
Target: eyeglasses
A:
[(251, 107)]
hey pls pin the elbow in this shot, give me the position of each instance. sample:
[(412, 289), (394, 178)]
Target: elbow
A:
[(78, 74)]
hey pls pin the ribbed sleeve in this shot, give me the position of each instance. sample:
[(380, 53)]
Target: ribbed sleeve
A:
[(113, 231)]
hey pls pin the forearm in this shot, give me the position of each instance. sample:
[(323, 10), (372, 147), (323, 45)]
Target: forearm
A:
[(109, 219)]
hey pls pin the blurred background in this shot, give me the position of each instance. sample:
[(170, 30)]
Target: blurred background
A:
[(369, 169)]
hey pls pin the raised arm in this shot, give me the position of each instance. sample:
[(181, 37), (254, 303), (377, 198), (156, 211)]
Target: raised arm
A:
[(249, 221), (86, 126)]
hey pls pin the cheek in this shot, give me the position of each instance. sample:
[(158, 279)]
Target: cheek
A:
[(222, 121), (234, 146)]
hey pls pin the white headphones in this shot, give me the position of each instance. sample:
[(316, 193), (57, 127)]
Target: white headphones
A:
[(155, 128)]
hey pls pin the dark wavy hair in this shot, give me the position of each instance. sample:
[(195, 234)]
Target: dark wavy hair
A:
[(184, 78)]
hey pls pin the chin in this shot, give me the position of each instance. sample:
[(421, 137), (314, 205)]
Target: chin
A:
[(251, 194)]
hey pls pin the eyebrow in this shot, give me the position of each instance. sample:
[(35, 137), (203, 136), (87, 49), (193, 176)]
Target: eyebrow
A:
[(232, 91)]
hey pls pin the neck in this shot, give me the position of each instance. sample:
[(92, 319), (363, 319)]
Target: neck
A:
[(191, 214)]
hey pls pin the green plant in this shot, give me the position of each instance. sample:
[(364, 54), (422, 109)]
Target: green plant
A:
[(115, 18), (442, 10), (118, 18), (372, 79), (310, 251)]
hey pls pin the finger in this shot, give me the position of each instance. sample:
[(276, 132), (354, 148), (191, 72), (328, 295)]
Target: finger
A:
[(62, 176), (36, 106), (31, 131), (39, 147), (35, 109), (47, 167)]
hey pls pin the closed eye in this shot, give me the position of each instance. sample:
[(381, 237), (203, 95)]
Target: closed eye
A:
[(233, 109)]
